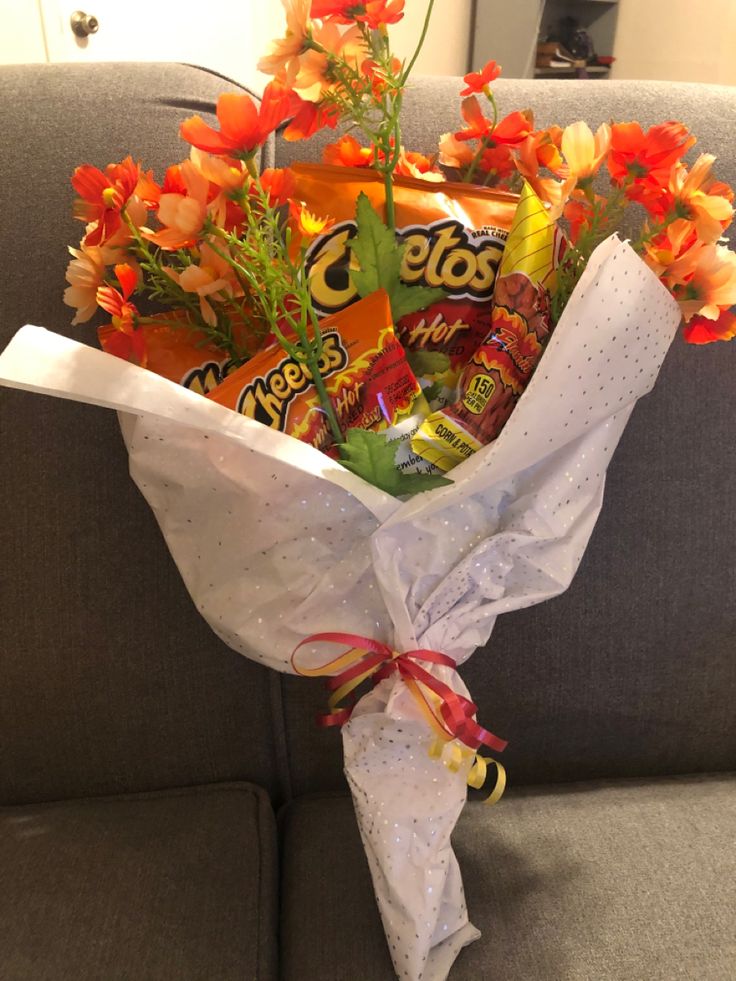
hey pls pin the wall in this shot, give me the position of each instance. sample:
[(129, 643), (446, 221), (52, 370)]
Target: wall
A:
[(230, 41), (506, 31), (21, 33), (446, 49), (676, 40)]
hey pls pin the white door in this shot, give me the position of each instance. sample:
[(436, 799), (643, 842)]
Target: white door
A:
[(226, 35)]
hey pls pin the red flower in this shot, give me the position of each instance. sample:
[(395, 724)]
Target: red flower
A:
[(700, 330), (102, 196), (117, 303), (512, 129), (173, 181), (244, 126), (378, 76), (347, 152), (310, 117), (127, 342), (497, 160), (478, 82), (341, 11), (647, 156), (381, 13), (375, 13), (279, 184)]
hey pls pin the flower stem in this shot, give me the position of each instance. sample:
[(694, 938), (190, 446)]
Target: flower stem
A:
[(420, 45)]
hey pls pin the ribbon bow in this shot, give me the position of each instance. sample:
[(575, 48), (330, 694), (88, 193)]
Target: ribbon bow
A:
[(449, 714)]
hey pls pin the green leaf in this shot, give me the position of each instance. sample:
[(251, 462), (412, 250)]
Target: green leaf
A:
[(376, 250), (409, 299), (379, 256), (433, 391), (424, 363), (371, 456)]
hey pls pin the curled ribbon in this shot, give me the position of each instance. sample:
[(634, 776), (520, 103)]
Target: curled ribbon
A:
[(450, 715)]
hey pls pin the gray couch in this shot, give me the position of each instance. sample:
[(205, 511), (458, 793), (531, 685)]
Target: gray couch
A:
[(169, 811)]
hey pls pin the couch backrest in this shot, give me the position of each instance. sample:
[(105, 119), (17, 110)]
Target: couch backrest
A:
[(111, 681)]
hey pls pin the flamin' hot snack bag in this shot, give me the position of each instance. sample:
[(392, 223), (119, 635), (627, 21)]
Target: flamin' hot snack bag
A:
[(454, 236), (364, 368), (499, 371)]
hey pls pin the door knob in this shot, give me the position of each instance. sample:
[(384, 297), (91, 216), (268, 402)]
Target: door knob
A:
[(83, 24)]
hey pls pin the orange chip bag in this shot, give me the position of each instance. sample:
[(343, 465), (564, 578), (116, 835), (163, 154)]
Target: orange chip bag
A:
[(364, 368), (184, 355), (454, 236)]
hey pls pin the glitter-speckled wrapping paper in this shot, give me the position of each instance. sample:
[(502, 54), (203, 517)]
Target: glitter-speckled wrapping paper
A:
[(275, 542)]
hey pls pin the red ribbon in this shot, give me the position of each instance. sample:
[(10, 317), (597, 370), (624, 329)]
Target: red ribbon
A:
[(368, 658)]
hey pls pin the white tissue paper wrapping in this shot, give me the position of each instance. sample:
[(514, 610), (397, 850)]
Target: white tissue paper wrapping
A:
[(275, 542)]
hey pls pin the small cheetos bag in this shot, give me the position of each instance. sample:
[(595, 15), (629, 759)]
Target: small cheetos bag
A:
[(499, 371), (454, 236), (365, 372)]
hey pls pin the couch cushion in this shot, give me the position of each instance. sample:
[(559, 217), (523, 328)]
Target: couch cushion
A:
[(615, 880), (178, 885)]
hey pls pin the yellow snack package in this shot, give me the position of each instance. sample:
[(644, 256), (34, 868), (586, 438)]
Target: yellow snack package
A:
[(500, 369)]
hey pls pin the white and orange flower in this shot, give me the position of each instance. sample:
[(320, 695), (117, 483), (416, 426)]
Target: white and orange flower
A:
[(212, 277), (182, 215)]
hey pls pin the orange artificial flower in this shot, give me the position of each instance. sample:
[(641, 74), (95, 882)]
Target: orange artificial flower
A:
[(226, 177), (497, 161), (378, 14), (283, 55), (244, 126), (128, 342), (691, 198), (661, 250), (651, 155), (116, 303), (703, 331), (378, 76), (103, 196), (301, 59), (347, 152), (310, 117), (535, 152), (512, 129), (212, 277), (417, 165), (309, 224), (703, 280), (85, 274), (312, 77), (453, 152), (339, 10), (478, 82), (578, 212), (182, 215), (279, 184)]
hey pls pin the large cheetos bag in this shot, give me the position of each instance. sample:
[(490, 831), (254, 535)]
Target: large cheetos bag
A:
[(184, 355), (454, 236)]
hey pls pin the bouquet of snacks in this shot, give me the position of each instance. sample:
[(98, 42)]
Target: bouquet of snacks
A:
[(372, 402)]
